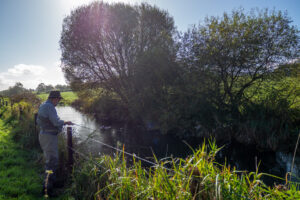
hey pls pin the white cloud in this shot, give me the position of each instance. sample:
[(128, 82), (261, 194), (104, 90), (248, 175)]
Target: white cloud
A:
[(31, 75)]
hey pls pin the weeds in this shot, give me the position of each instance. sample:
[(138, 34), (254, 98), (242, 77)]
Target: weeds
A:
[(19, 174), (196, 177)]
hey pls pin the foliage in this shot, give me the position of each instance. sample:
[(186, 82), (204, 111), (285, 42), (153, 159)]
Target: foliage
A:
[(102, 45), (21, 116), (234, 52), (272, 117), (235, 80), (20, 156), (109, 108), (156, 76), (43, 88), (126, 64), (28, 97), (289, 70), (14, 90), (62, 88), (196, 177), (19, 172)]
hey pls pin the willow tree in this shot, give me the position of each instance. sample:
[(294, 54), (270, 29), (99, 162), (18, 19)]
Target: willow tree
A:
[(232, 53), (102, 43)]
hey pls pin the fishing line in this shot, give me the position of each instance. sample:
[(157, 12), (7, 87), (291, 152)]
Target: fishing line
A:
[(123, 151)]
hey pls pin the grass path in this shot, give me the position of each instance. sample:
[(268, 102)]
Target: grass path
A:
[(19, 173)]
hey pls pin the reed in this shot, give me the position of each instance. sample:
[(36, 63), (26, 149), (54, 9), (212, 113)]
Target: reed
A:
[(196, 177)]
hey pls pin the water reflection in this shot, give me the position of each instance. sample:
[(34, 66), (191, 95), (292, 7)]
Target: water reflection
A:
[(141, 143), (145, 144)]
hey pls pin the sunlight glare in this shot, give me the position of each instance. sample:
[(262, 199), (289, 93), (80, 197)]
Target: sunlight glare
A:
[(71, 4)]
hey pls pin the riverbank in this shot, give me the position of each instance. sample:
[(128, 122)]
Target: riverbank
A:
[(21, 165), (19, 170), (112, 176), (196, 176)]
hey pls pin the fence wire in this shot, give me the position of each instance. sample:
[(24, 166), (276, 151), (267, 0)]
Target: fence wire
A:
[(119, 150)]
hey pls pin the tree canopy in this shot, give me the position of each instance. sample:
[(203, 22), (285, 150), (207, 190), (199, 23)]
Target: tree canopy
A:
[(129, 62), (233, 52), (18, 88), (101, 43), (42, 87)]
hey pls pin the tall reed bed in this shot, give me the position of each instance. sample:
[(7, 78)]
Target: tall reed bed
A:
[(196, 177)]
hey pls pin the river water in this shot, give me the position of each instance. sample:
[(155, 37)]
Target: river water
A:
[(134, 141), (145, 144)]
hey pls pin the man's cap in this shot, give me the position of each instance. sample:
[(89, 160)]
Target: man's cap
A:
[(55, 94)]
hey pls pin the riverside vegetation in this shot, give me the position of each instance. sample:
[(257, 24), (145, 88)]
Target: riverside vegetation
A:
[(21, 166), (19, 169), (196, 177), (234, 77)]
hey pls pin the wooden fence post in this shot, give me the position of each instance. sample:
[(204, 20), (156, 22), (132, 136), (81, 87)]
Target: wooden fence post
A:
[(35, 123), (70, 148)]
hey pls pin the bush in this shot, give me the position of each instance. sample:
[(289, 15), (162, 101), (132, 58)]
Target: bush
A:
[(24, 131), (271, 118), (109, 109)]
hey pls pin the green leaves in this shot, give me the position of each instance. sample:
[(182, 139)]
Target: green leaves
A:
[(196, 177), (241, 45), (101, 43)]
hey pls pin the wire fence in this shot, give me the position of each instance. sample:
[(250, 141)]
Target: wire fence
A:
[(129, 154), (113, 148)]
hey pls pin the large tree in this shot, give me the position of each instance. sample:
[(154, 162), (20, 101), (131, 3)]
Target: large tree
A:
[(231, 53), (41, 88), (101, 44)]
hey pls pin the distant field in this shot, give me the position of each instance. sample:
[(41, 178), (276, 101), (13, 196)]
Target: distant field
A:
[(69, 97)]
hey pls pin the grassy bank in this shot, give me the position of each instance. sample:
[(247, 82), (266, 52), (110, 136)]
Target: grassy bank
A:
[(196, 177), (68, 97), (21, 165), (19, 172)]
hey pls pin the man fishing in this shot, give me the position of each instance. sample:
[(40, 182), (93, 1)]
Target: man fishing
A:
[(50, 125)]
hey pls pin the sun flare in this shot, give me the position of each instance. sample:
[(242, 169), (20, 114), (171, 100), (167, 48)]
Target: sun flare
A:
[(71, 4)]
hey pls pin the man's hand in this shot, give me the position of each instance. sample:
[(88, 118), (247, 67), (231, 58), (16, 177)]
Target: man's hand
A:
[(68, 123)]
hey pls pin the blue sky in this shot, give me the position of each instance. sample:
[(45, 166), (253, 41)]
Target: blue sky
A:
[(30, 31)]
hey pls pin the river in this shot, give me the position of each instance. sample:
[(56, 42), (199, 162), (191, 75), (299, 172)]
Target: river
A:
[(145, 144)]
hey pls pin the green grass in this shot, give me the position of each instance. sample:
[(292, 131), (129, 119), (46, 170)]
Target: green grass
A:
[(21, 166), (68, 97), (19, 174), (195, 177)]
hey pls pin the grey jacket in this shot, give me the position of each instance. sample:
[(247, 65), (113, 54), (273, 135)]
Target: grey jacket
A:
[(48, 120)]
